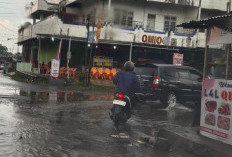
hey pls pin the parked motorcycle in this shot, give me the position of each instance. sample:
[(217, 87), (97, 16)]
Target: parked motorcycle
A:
[(121, 110)]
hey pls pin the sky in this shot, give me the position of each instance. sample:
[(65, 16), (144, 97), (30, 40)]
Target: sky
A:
[(12, 15)]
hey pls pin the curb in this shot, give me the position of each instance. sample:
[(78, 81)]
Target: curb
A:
[(195, 144)]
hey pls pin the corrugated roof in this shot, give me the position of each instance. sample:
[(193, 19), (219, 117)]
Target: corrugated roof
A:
[(220, 21)]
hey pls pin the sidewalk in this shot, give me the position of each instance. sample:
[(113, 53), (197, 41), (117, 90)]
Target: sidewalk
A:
[(189, 139)]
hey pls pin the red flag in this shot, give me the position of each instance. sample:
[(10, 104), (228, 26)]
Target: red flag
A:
[(60, 47)]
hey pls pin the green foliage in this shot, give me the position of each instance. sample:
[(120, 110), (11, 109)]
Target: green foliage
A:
[(4, 51)]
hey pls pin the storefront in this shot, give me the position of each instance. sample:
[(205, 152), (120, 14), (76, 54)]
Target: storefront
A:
[(216, 102)]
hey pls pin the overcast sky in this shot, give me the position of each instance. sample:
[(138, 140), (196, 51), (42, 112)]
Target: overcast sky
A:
[(12, 15)]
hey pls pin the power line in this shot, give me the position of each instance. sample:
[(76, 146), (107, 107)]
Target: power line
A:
[(6, 13), (7, 8), (7, 28), (5, 3), (9, 3)]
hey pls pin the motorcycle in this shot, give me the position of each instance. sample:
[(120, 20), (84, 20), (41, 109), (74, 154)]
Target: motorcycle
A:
[(121, 110)]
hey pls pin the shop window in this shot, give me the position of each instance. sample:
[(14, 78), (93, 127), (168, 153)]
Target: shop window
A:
[(169, 23), (216, 65), (151, 22), (123, 18)]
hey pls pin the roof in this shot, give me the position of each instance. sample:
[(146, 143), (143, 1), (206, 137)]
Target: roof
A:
[(166, 65), (224, 22), (157, 65)]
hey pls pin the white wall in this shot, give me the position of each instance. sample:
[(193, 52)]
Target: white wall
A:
[(141, 10), (215, 4), (53, 25)]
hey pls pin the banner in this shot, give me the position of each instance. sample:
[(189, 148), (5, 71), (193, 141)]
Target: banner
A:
[(55, 66), (98, 32), (178, 59), (216, 104), (60, 49)]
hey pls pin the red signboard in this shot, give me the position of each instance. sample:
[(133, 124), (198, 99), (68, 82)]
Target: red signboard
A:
[(178, 59)]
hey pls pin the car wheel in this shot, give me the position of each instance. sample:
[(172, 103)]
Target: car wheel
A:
[(170, 101)]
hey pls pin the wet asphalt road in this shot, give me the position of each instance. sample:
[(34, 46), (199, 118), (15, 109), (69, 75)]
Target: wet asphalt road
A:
[(48, 121)]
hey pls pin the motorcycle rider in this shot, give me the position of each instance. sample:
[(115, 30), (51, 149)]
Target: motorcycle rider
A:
[(126, 81)]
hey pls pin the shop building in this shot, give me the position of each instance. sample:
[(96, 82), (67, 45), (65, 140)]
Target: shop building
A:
[(123, 30)]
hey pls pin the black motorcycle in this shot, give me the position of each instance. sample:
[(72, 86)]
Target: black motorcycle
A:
[(121, 110)]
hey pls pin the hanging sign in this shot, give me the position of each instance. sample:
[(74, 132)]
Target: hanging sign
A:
[(55, 66), (178, 59), (216, 105)]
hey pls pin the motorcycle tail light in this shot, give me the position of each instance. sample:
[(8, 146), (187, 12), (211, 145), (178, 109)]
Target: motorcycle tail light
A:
[(155, 82), (120, 96)]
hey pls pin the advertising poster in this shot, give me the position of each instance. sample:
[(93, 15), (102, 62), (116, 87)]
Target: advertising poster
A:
[(216, 104), (55, 66), (178, 59)]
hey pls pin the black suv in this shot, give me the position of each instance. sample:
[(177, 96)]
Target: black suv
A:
[(169, 83)]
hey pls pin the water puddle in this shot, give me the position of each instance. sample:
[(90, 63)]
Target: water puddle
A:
[(8, 92), (64, 96)]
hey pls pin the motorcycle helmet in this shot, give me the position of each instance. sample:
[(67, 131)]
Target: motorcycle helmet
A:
[(129, 66)]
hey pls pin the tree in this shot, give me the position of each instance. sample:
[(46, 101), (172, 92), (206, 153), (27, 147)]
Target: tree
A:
[(4, 51), (18, 56)]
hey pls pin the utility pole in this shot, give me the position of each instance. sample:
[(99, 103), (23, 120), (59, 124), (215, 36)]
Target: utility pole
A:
[(229, 6), (87, 40), (39, 51), (198, 18), (68, 57), (109, 8), (131, 46), (199, 11), (86, 50), (90, 57)]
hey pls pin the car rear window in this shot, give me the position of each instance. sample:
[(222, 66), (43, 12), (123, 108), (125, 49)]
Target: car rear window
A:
[(150, 71)]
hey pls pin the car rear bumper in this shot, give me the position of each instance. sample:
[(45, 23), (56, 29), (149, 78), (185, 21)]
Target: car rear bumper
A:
[(153, 94)]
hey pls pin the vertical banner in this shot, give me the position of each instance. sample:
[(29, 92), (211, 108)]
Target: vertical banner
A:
[(178, 59), (98, 33), (216, 104), (60, 48), (55, 68)]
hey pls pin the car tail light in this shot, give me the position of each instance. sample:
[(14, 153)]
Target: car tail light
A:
[(120, 96), (155, 82)]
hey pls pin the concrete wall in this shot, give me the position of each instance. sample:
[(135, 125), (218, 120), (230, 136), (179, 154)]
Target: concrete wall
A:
[(49, 50), (54, 26), (215, 4), (23, 67), (40, 5)]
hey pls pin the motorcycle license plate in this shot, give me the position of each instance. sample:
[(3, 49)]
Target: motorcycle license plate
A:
[(119, 102)]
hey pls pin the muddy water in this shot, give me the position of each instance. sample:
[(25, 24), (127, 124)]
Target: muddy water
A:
[(40, 121)]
